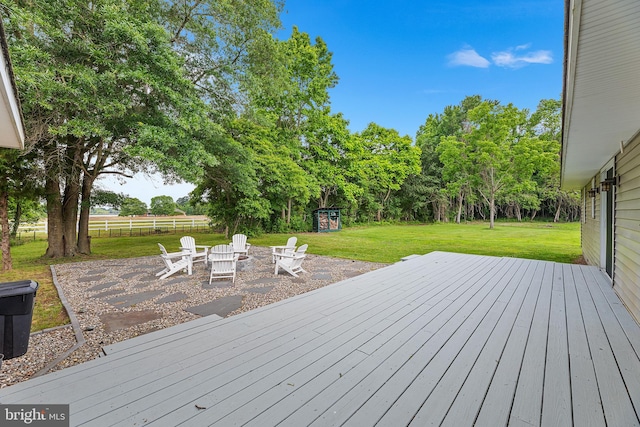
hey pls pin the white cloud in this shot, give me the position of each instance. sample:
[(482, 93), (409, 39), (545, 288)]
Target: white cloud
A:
[(509, 59), (467, 57)]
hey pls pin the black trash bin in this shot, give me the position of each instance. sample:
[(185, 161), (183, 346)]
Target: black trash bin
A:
[(16, 311)]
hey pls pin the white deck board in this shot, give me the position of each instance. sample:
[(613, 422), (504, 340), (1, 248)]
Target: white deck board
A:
[(441, 339), (556, 404), (587, 406), (527, 401)]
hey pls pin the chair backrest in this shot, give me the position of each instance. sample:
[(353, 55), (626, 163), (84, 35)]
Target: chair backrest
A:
[(298, 256), (239, 241), (188, 242), (221, 253), (162, 249), (222, 259), (291, 243), (165, 257)]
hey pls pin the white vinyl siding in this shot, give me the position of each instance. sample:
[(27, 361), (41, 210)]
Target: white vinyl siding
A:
[(591, 228), (627, 236)]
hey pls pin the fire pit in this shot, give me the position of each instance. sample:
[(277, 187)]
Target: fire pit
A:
[(244, 263)]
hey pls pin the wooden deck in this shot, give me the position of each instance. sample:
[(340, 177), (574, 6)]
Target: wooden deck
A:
[(442, 339)]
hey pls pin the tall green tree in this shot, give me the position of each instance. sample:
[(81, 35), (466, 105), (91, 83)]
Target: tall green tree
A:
[(103, 91), (497, 155), (132, 207), (163, 205), (221, 41), (546, 124), (388, 159), (20, 185)]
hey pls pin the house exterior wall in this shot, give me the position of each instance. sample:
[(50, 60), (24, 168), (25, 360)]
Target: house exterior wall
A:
[(591, 225), (627, 228)]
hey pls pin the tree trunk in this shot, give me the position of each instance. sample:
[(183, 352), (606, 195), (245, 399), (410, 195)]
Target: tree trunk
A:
[(17, 216), (492, 211), (70, 217), (459, 214), (533, 214), (84, 240), (55, 235), (518, 212), (7, 264), (289, 212), (558, 210), (436, 211)]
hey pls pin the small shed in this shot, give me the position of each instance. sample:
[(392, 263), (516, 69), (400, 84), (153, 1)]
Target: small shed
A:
[(326, 219)]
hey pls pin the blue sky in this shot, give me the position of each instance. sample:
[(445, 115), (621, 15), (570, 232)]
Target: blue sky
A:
[(400, 61)]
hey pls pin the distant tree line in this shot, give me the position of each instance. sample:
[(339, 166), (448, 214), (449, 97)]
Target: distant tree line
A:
[(202, 91)]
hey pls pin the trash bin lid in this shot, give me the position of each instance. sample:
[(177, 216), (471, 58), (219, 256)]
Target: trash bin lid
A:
[(21, 287)]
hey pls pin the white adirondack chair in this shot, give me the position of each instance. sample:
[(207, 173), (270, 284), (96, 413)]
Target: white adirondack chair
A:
[(292, 262), (188, 243), (290, 247), (240, 245), (174, 262), (223, 263)]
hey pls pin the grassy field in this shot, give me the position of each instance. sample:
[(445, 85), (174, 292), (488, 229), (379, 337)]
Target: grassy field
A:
[(377, 243)]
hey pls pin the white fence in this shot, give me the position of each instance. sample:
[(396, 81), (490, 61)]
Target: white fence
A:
[(119, 226)]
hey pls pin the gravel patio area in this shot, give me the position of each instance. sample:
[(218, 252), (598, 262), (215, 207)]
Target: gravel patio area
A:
[(114, 300)]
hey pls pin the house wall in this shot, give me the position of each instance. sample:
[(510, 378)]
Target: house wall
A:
[(627, 228), (590, 234)]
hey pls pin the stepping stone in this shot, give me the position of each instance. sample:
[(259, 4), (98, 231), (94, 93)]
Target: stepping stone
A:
[(109, 293), (115, 321), (298, 280), (352, 273), (129, 300), (90, 279), (217, 284), (174, 280), (321, 276), (178, 296), (141, 284), (264, 290), (150, 266), (263, 281), (97, 271), (222, 306), (101, 286), (132, 274)]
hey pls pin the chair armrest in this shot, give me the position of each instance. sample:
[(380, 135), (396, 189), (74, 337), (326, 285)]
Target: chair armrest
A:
[(177, 254), (292, 256), (203, 246)]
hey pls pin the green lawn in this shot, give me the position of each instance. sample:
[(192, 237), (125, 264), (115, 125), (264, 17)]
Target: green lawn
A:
[(377, 243), (389, 243)]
